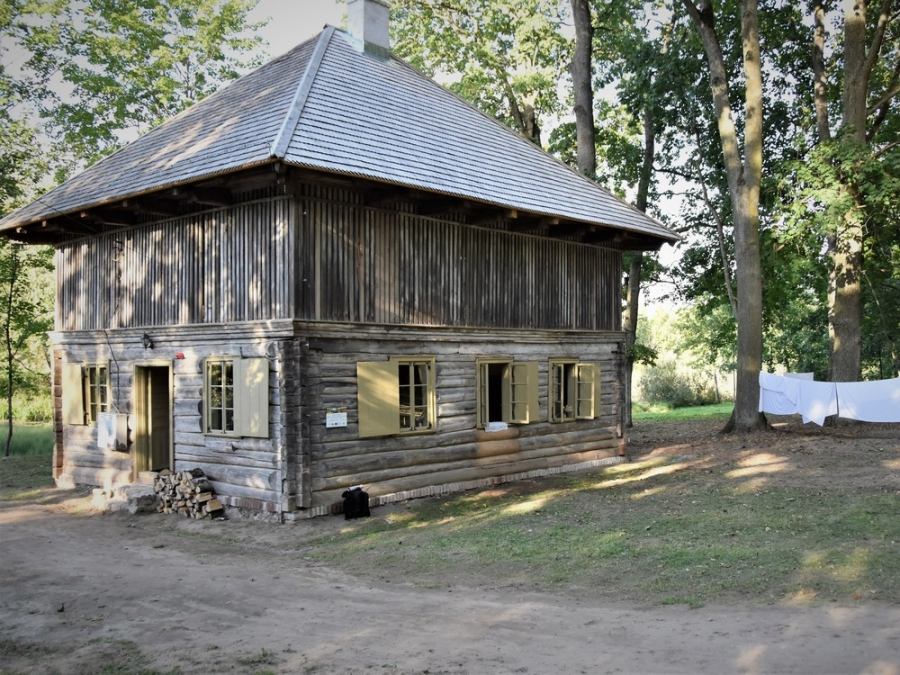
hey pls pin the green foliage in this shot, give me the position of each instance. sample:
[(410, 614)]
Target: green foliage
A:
[(667, 383), (709, 333), (505, 56), (102, 71), (641, 353)]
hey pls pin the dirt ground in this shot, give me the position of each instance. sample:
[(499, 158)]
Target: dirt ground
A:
[(87, 592)]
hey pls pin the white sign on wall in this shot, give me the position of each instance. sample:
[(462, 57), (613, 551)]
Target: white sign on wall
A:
[(335, 417), (106, 431)]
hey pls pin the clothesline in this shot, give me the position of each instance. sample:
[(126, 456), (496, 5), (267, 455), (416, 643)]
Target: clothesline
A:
[(798, 393)]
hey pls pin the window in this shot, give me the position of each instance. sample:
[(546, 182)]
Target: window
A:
[(574, 391), (396, 396), (236, 397), (96, 392), (219, 396), (413, 379), (85, 392), (506, 392)]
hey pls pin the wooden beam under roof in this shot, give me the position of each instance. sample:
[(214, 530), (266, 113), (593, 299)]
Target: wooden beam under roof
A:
[(605, 236), (440, 205), (208, 196), (385, 194), (117, 217), (570, 230), (154, 206), (491, 214)]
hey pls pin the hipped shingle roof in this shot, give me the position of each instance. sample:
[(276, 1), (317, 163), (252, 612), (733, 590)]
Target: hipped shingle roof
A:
[(328, 105)]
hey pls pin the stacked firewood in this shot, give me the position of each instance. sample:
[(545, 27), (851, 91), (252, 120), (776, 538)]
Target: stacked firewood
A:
[(188, 493)]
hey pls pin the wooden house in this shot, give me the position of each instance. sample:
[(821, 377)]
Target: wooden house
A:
[(334, 272)]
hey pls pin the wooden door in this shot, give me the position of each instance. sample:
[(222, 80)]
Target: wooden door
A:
[(153, 424)]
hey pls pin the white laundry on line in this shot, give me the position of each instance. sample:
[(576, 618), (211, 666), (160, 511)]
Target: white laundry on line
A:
[(877, 401), (817, 401), (790, 395), (778, 395)]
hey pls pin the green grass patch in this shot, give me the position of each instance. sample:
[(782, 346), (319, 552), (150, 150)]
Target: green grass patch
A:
[(658, 413), (27, 439), (686, 537)]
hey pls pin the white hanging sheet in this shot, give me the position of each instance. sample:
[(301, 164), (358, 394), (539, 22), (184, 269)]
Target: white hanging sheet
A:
[(789, 395), (817, 401), (778, 395), (877, 401)]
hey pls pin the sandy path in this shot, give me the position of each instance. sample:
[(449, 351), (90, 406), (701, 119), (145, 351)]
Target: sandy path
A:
[(192, 602)]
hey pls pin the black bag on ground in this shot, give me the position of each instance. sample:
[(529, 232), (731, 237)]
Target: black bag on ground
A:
[(356, 503)]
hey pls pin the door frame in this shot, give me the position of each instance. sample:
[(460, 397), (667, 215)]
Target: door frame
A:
[(142, 365)]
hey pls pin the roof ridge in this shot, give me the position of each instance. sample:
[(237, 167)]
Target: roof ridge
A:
[(288, 126)]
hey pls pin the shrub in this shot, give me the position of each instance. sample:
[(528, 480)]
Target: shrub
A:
[(667, 383), (32, 409)]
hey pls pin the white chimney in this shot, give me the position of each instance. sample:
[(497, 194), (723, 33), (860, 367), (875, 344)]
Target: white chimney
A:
[(367, 21)]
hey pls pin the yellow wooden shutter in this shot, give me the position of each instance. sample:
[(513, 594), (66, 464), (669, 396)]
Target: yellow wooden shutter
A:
[(378, 383), (597, 408), (584, 391), (251, 388), (481, 394), (72, 394), (523, 392)]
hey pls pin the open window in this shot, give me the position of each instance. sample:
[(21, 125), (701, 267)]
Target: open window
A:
[(506, 391), (574, 391), (236, 397), (396, 396), (85, 392)]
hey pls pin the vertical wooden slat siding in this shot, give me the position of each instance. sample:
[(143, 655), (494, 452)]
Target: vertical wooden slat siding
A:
[(229, 265), (328, 258)]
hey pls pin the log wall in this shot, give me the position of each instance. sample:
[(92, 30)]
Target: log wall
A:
[(303, 467), (245, 472), (458, 454)]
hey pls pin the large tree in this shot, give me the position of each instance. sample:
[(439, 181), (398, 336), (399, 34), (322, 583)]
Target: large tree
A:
[(505, 56), (743, 167), (864, 104)]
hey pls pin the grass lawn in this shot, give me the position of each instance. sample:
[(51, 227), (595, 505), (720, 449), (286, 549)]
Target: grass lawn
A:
[(699, 412), (28, 439), (640, 533)]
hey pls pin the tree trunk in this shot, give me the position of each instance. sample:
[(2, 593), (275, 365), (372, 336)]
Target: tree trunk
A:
[(633, 294), (583, 88), (820, 72), (845, 287), (10, 362), (629, 325), (744, 176)]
